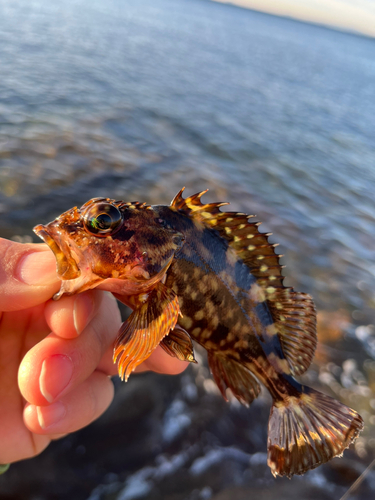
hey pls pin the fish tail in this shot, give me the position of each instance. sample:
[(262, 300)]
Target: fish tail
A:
[(308, 430)]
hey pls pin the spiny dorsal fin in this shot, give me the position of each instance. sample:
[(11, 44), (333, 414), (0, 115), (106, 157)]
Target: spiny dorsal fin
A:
[(293, 313), (243, 236), (131, 204), (192, 204)]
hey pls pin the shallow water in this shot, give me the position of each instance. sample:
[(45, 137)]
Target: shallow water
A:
[(135, 99)]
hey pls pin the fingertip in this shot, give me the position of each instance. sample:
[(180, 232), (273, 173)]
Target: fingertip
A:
[(28, 275), (59, 317), (83, 310), (42, 377), (74, 411), (161, 362), (37, 268), (28, 412), (44, 372), (69, 316)]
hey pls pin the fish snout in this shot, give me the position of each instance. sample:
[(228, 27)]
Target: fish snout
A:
[(66, 266)]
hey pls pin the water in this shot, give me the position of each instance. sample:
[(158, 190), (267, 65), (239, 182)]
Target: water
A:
[(136, 99)]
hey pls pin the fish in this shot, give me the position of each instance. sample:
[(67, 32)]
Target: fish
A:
[(192, 272)]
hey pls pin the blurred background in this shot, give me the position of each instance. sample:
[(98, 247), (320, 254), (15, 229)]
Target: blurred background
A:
[(135, 99)]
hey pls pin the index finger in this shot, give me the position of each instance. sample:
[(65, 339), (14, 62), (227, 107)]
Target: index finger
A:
[(27, 275)]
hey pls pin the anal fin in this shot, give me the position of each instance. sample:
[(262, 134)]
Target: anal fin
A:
[(155, 315), (178, 344), (230, 374)]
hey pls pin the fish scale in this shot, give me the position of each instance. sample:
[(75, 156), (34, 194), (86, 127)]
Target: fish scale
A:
[(191, 271)]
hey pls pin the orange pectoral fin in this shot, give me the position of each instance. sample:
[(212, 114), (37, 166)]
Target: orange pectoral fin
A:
[(145, 328)]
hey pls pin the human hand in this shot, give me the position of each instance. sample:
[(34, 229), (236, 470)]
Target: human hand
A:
[(55, 357)]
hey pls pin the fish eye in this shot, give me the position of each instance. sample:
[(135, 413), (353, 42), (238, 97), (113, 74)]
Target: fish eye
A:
[(102, 219)]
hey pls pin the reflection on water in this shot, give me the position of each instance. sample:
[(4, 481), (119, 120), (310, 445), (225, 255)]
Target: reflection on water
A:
[(135, 100)]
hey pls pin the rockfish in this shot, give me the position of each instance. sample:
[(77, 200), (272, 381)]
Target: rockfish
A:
[(191, 271)]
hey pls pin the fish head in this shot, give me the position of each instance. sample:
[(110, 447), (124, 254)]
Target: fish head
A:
[(125, 245)]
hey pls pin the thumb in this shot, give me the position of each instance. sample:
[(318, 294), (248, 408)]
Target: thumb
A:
[(27, 275)]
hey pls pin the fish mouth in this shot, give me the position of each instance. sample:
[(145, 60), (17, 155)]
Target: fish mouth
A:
[(67, 268)]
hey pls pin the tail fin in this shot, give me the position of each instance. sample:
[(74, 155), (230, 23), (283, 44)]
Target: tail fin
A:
[(307, 431)]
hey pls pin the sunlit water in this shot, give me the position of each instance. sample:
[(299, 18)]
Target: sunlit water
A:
[(135, 99)]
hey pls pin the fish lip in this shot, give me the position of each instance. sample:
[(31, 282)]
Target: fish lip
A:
[(66, 266)]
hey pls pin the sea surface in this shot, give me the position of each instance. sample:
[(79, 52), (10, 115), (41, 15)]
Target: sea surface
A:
[(135, 99)]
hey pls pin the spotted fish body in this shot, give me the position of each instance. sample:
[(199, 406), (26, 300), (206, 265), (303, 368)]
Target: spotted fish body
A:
[(191, 271)]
